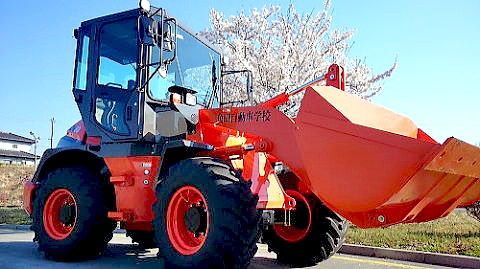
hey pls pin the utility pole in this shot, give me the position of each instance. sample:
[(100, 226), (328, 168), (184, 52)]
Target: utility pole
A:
[(52, 121), (35, 139)]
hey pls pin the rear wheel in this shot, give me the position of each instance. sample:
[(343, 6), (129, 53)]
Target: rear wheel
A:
[(315, 234), (70, 214), (205, 216)]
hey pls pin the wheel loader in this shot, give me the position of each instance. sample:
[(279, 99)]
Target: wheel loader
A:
[(159, 151)]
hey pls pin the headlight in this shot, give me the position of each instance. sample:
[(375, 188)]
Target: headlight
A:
[(190, 99)]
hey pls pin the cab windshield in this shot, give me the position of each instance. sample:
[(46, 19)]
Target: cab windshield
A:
[(195, 66)]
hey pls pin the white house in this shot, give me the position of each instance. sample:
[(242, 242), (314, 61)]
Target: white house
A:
[(15, 149)]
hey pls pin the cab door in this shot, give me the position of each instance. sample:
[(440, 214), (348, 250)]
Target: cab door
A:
[(109, 102)]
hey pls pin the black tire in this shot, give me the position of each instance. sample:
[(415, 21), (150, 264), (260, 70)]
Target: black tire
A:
[(145, 239), (92, 229), (230, 241), (324, 238)]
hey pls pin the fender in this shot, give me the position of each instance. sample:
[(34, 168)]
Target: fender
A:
[(51, 159), (54, 158)]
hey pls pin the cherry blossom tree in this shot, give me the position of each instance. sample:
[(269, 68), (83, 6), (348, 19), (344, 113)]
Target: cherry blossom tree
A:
[(285, 49)]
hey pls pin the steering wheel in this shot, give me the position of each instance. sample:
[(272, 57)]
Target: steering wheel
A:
[(118, 85)]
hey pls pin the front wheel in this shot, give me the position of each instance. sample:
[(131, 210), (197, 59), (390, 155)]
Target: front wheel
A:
[(315, 234), (70, 214), (205, 216)]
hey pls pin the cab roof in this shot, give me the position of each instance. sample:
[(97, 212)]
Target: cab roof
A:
[(137, 12)]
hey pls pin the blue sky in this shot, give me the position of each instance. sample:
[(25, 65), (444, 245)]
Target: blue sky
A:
[(436, 42)]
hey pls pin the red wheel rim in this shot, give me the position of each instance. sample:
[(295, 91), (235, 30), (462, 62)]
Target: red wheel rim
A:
[(291, 233), (52, 221), (182, 238)]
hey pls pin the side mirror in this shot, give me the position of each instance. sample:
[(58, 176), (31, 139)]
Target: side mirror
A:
[(249, 84), (149, 31), (170, 38)]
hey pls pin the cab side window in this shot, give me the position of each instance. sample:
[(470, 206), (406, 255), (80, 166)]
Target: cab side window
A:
[(82, 63)]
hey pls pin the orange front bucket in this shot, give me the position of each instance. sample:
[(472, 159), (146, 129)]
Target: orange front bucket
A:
[(375, 167)]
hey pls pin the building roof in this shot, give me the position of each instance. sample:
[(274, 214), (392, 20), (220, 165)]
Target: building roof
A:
[(16, 138), (17, 154)]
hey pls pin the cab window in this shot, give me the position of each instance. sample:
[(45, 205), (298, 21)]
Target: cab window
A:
[(82, 63), (117, 74), (118, 55), (196, 66)]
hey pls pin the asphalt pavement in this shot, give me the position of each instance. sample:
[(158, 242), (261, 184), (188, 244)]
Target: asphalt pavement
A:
[(18, 251)]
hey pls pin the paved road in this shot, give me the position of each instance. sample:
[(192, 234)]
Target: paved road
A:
[(18, 251)]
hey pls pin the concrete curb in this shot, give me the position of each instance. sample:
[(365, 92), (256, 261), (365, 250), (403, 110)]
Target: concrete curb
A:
[(456, 261), (15, 227)]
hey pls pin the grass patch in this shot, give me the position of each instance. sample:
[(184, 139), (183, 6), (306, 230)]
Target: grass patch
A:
[(457, 233), (14, 216)]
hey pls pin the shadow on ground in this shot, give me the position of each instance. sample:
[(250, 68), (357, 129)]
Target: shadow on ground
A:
[(26, 255), (263, 263), (22, 254)]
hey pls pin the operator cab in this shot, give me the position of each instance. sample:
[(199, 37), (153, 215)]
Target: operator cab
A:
[(142, 76)]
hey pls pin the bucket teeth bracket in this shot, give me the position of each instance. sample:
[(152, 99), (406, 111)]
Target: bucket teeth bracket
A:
[(457, 157)]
